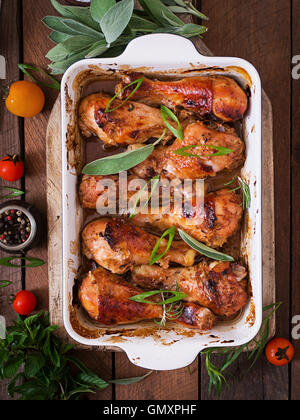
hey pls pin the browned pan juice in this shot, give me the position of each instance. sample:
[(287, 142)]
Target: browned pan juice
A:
[(96, 149)]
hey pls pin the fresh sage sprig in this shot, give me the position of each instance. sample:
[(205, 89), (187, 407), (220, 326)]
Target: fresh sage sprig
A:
[(221, 151), (107, 26), (137, 82), (203, 249), (14, 193), (170, 233), (115, 164), (167, 113)]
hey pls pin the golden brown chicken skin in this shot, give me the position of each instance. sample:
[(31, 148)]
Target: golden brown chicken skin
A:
[(105, 297), (118, 246), (171, 165), (215, 285), (219, 96), (212, 223), (132, 123)]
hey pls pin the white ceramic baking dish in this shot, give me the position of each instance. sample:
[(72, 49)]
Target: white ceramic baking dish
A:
[(145, 345)]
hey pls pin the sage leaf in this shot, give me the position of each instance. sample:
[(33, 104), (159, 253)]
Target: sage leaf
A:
[(115, 164), (81, 28), (63, 10), (160, 13), (81, 14), (100, 7), (56, 24), (130, 381), (69, 47), (221, 151), (116, 19), (203, 249), (139, 24), (97, 49), (58, 37)]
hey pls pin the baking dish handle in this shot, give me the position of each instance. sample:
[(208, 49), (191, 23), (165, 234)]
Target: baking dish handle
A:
[(149, 49), (158, 356)]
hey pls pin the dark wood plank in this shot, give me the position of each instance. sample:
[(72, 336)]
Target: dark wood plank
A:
[(250, 30), (181, 384), (295, 367), (10, 140)]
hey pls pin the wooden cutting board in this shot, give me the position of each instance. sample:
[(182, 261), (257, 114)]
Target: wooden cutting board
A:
[(53, 139)]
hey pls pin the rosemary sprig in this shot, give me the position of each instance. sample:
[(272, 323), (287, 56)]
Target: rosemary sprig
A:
[(171, 301), (245, 190), (217, 373)]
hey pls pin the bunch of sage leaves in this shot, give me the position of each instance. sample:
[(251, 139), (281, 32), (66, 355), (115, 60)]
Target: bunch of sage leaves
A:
[(107, 26)]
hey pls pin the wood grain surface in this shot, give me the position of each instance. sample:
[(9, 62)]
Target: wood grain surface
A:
[(259, 31)]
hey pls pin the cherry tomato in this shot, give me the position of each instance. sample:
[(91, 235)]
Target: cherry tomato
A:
[(25, 99), (280, 351), (24, 302), (11, 168)]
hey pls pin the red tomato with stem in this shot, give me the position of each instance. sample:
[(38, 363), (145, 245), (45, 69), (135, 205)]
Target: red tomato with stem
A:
[(24, 302), (280, 352), (11, 168)]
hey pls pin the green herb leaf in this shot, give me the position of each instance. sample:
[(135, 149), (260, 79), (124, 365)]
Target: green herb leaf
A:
[(130, 381), (33, 364), (4, 283), (137, 82), (92, 379), (54, 85), (170, 233), (142, 297), (115, 164), (56, 24), (59, 37), (246, 193), (33, 262), (100, 7), (154, 182), (160, 13), (69, 47), (203, 249), (167, 113), (116, 19), (14, 193), (222, 151)]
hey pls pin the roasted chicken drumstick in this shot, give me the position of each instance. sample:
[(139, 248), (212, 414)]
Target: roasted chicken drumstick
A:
[(214, 223), (132, 123), (105, 297), (204, 95), (215, 285), (118, 246), (171, 165)]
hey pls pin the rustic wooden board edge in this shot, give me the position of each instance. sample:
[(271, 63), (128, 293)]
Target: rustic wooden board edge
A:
[(55, 228)]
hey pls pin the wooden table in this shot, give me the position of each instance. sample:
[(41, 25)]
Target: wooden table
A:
[(259, 31)]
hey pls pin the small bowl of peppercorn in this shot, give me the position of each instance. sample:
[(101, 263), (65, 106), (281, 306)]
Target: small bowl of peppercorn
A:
[(18, 226)]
